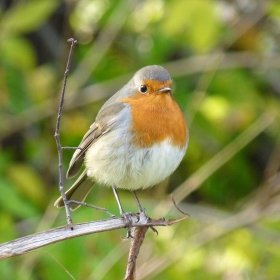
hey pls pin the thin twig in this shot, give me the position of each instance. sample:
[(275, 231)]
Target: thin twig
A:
[(177, 207), (92, 206), (57, 133)]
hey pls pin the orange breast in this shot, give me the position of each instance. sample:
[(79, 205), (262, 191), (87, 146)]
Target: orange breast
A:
[(156, 117)]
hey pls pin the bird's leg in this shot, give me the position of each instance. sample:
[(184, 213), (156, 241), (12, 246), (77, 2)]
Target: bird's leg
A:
[(138, 202), (118, 199), (141, 209), (125, 215)]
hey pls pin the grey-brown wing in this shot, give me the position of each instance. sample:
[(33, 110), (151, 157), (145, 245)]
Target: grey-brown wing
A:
[(104, 122), (78, 157)]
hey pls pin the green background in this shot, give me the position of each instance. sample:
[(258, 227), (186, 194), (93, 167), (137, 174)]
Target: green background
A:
[(224, 59)]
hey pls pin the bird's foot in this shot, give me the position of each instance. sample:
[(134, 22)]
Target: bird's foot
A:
[(130, 218), (144, 218)]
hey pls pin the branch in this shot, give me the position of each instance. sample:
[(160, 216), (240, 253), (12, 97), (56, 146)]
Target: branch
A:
[(57, 132), (139, 236), (32, 242)]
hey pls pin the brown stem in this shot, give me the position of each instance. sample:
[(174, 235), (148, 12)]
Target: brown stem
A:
[(57, 133), (138, 238)]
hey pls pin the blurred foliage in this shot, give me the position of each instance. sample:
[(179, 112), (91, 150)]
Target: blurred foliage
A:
[(224, 59)]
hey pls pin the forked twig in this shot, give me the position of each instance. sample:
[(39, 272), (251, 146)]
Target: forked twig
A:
[(139, 233), (57, 133)]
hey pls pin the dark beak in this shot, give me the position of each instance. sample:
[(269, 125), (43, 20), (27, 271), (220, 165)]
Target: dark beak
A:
[(165, 89)]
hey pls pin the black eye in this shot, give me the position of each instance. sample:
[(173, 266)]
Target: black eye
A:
[(143, 88)]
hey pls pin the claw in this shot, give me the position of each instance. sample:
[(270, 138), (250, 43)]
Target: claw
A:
[(154, 230), (128, 219), (129, 234)]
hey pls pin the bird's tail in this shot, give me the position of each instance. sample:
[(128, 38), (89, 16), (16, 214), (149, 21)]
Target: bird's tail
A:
[(78, 192)]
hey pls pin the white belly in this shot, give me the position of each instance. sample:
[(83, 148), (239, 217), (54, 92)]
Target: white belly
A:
[(117, 162)]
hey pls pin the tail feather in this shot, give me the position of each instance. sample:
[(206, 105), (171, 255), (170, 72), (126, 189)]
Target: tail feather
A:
[(78, 192)]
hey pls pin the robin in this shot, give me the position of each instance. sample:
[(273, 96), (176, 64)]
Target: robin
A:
[(138, 139)]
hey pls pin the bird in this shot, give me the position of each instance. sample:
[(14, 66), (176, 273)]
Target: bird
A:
[(138, 139)]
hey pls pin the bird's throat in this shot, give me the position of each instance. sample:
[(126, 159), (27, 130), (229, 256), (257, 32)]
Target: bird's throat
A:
[(156, 117)]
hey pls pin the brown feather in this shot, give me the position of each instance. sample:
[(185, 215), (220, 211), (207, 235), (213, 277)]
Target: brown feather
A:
[(78, 156), (78, 192)]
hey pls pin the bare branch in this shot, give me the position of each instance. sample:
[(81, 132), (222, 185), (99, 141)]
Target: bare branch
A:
[(32, 242), (57, 132), (139, 235)]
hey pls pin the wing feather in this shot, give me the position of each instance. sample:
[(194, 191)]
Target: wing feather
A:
[(104, 122), (78, 157)]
